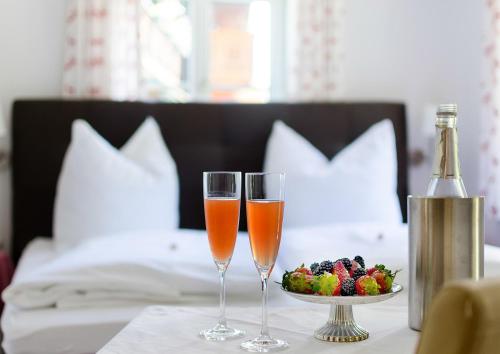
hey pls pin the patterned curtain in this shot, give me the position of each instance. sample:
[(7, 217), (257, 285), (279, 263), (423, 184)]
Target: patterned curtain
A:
[(102, 49), (314, 32), (490, 139)]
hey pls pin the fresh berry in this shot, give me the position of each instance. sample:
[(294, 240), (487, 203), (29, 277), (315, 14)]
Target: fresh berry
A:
[(304, 270), (348, 287), (355, 265), (371, 270), (333, 278), (338, 288), (346, 262), (366, 285), (384, 278), (340, 270), (358, 273), (285, 282), (301, 283), (325, 266), (360, 260), (325, 284), (381, 280), (314, 267)]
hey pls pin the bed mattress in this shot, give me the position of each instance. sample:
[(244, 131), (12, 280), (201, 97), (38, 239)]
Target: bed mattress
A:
[(85, 330)]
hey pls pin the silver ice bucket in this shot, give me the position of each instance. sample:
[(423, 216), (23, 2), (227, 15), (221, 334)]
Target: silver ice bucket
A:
[(446, 243)]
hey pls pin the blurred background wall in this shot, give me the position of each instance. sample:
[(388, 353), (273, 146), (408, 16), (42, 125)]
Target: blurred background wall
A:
[(419, 52)]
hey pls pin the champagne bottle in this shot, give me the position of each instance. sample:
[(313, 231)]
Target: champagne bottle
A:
[(446, 180)]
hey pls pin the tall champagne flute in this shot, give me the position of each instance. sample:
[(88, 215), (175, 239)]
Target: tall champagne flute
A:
[(222, 194), (265, 204)]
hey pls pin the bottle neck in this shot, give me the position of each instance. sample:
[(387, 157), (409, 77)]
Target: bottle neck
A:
[(446, 163)]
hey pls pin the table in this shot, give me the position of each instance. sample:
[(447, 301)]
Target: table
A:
[(170, 329)]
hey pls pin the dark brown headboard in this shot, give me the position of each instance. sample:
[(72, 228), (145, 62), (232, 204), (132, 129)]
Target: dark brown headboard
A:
[(199, 136)]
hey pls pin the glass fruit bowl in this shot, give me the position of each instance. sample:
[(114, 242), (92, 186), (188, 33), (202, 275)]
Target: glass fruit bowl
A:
[(341, 326)]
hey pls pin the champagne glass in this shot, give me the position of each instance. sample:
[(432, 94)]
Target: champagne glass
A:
[(265, 204), (222, 194)]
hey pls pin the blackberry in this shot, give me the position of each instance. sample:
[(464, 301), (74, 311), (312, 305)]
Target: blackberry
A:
[(348, 287), (347, 263), (314, 267), (360, 260), (358, 273), (325, 266)]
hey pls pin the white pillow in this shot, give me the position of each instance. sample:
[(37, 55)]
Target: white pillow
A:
[(358, 185), (102, 191)]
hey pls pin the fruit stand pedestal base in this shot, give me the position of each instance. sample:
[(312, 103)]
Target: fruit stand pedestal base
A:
[(341, 326)]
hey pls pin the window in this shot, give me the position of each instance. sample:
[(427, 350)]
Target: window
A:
[(212, 50), (240, 52), (165, 46)]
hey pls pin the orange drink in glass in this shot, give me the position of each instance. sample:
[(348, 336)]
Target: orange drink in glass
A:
[(265, 203), (222, 216), (265, 219), (222, 194)]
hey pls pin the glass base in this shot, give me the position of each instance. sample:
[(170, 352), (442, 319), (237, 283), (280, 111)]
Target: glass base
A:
[(264, 344), (221, 333)]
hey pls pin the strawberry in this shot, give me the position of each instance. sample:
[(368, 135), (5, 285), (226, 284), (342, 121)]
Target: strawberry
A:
[(371, 270), (309, 282), (366, 285), (354, 265), (325, 284), (341, 271), (303, 270), (381, 280), (300, 283), (384, 278), (338, 289)]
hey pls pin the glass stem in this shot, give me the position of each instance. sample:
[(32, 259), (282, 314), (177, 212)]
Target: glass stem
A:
[(222, 277), (264, 330)]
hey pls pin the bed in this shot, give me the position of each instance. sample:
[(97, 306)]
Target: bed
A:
[(232, 137)]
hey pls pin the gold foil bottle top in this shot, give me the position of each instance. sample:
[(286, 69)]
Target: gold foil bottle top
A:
[(446, 115)]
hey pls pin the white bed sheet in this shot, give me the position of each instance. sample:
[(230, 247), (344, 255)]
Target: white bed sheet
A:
[(85, 330)]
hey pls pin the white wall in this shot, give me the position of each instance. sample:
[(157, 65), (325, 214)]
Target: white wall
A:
[(419, 52), (31, 37)]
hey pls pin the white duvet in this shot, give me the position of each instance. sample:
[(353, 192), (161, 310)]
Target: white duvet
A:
[(148, 267), (140, 267)]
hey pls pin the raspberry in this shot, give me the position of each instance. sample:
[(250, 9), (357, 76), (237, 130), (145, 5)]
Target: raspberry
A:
[(348, 287)]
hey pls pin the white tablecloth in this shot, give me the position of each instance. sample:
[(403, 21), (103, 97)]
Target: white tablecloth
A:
[(163, 329)]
